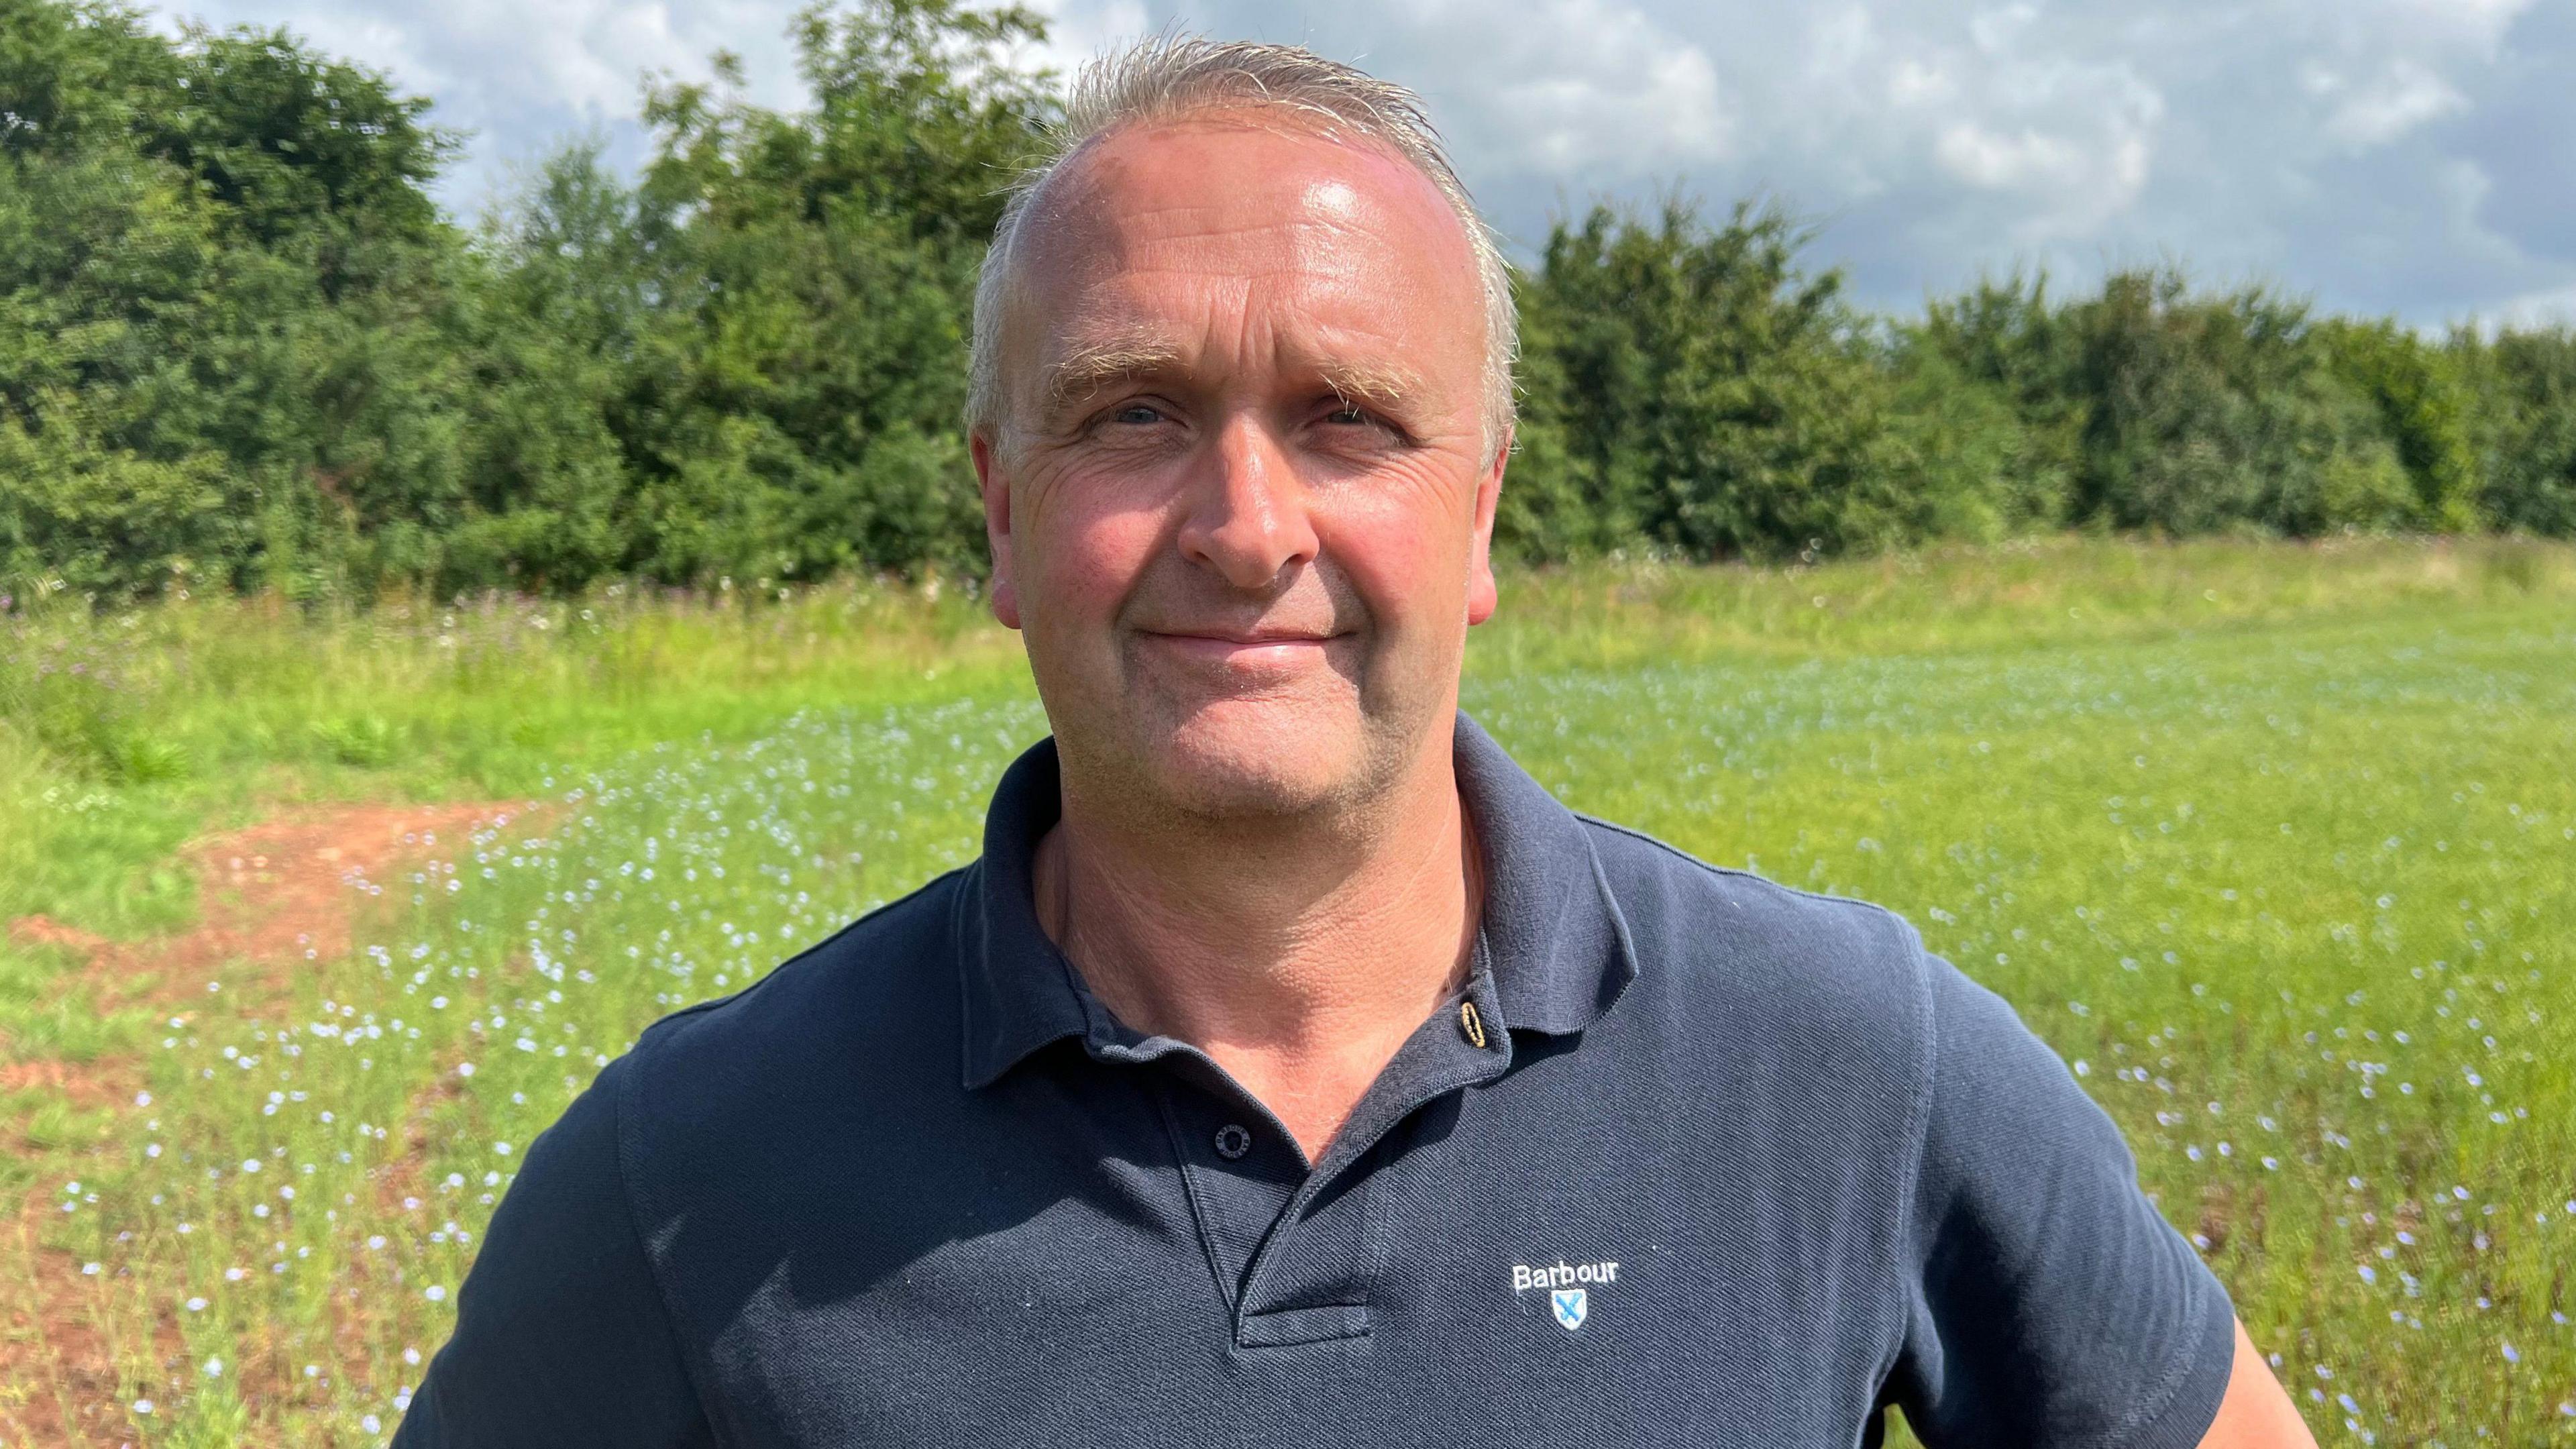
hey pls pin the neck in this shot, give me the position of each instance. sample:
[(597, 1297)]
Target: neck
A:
[(1298, 954)]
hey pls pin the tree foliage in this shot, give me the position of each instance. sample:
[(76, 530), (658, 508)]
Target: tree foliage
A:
[(241, 347), (1688, 387)]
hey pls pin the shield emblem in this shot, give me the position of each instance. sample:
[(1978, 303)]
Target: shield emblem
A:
[(1570, 1305)]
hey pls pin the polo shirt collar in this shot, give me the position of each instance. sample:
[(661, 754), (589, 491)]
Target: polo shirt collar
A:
[(1553, 938)]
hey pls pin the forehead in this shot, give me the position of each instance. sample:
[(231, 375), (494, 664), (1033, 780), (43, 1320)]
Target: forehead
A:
[(1254, 224)]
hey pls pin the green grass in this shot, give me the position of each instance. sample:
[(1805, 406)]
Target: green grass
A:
[(2273, 844), (233, 708)]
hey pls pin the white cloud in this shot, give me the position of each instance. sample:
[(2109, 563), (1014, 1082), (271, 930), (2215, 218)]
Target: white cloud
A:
[(1579, 89), (2057, 141), (2479, 24), (2402, 97), (2554, 307), (1076, 32)]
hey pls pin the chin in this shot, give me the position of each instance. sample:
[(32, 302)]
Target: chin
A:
[(1245, 760)]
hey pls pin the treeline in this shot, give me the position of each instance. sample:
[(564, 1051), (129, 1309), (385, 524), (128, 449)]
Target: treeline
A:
[(241, 348)]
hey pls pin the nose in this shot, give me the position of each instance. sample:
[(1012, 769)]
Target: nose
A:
[(1247, 514)]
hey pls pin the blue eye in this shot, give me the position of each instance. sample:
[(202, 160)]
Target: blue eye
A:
[(1137, 413)]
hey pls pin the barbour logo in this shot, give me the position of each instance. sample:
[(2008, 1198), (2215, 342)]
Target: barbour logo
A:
[(1568, 1287), (1570, 1305)]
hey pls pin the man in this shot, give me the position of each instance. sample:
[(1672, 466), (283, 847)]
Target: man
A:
[(1291, 1068)]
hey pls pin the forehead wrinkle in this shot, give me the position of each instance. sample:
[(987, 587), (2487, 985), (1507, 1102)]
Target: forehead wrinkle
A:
[(1096, 236)]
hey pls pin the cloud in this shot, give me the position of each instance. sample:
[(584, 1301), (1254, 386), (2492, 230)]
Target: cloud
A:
[(2390, 155), (521, 78), (2384, 108), (2555, 307)]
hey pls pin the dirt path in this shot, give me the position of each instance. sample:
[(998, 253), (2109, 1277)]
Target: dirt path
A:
[(272, 896)]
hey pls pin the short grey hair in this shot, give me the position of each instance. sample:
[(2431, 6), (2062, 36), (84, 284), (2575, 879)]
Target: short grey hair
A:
[(1169, 77)]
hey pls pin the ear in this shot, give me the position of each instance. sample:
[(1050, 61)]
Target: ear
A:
[(995, 482), (1482, 593)]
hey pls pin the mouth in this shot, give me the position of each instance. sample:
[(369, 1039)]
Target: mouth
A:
[(1252, 649)]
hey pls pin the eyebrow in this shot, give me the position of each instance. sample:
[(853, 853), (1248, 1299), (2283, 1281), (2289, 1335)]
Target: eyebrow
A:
[(1096, 365), (1384, 386), (1101, 363)]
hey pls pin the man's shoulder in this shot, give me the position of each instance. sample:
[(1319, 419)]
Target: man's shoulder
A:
[(1762, 955), (865, 1002), (1663, 882)]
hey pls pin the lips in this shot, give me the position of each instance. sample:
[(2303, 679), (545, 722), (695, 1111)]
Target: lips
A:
[(1251, 649), (1241, 640)]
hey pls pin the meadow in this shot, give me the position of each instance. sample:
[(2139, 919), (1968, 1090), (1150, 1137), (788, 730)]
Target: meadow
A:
[(2275, 844)]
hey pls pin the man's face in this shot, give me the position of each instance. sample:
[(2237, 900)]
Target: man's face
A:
[(1241, 504)]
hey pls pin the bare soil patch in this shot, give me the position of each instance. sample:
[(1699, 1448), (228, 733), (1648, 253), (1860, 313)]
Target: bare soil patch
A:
[(268, 895), (271, 897)]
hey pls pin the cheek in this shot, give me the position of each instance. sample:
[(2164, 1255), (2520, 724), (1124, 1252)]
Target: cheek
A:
[(1403, 551), (1081, 563)]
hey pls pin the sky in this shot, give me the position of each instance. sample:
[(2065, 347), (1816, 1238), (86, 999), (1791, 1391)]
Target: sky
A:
[(2401, 157)]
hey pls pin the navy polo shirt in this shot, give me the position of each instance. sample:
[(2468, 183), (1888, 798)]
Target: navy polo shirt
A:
[(1694, 1159)]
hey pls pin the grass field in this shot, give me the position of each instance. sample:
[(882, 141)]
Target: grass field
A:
[(2276, 845)]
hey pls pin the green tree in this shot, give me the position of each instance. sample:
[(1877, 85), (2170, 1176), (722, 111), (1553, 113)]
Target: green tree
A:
[(2424, 407), (2215, 413), (822, 265), (1694, 389), (224, 305), (2528, 430), (1991, 409)]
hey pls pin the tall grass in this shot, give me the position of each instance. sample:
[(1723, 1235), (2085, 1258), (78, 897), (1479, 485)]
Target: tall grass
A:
[(121, 734)]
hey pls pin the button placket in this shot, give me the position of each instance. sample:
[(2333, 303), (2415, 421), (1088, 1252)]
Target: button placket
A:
[(1438, 1059), (1230, 1172)]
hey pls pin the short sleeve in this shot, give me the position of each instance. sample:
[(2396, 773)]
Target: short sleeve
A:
[(2050, 1304), (561, 1336)]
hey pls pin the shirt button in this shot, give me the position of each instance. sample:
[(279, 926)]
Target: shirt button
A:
[(1232, 1141)]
